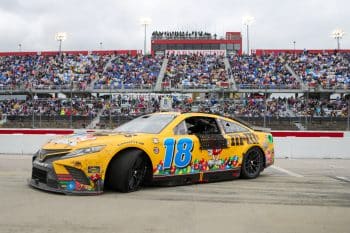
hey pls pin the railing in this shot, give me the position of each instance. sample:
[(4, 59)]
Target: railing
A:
[(47, 121), (336, 86), (115, 119), (269, 86), (116, 86), (192, 85)]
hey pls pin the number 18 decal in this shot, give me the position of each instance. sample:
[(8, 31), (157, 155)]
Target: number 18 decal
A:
[(181, 154)]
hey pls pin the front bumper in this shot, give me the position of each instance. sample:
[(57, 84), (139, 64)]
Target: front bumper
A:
[(45, 178), (35, 184)]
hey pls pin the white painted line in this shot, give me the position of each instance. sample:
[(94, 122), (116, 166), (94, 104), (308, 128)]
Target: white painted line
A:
[(16, 157), (343, 178), (286, 171)]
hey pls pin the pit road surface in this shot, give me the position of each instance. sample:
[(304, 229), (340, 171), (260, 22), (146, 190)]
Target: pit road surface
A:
[(292, 196)]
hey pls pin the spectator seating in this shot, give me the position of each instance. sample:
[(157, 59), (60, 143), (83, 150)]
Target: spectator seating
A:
[(130, 72), (260, 72), (195, 71)]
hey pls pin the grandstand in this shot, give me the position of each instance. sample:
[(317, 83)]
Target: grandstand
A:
[(279, 89)]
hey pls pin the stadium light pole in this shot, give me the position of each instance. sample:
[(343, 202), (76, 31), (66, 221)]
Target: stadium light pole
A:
[(294, 42), (20, 47), (101, 45), (348, 121), (247, 21), (60, 36), (110, 106), (71, 104), (145, 22), (338, 35)]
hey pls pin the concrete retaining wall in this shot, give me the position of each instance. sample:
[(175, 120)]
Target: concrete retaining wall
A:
[(299, 145), (294, 147)]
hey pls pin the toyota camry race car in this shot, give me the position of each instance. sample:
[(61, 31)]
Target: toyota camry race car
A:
[(161, 148)]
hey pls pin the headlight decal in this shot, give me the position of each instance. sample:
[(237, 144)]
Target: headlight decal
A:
[(84, 151)]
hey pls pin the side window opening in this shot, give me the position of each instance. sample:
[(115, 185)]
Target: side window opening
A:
[(208, 132), (231, 127), (202, 126), (181, 129)]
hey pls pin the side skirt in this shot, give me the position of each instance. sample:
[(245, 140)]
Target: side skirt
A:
[(201, 177)]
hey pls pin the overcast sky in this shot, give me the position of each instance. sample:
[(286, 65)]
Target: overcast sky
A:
[(116, 23)]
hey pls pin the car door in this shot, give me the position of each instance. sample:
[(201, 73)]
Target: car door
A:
[(211, 152)]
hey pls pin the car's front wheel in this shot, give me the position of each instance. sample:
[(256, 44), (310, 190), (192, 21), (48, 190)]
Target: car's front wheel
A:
[(127, 171), (252, 163)]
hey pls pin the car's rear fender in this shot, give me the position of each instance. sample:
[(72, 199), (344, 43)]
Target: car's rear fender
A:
[(263, 153)]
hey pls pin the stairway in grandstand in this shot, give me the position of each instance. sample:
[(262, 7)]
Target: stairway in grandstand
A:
[(158, 86), (3, 119), (108, 64), (229, 73), (96, 120), (299, 126), (92, 84), (302, 84)]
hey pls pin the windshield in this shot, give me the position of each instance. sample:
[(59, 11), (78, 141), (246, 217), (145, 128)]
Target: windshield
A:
[(147, 124)]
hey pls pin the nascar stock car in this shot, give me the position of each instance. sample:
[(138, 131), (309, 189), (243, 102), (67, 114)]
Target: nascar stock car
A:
[(162, 148)]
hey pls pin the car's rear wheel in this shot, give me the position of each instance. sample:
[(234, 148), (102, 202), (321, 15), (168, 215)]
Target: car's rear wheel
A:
[(127, 171), (252, 163)]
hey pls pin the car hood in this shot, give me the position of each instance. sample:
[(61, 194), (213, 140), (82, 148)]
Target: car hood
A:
[(83, 140)]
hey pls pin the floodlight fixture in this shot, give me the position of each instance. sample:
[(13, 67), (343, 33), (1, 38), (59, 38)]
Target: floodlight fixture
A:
[(60, 36), (338, 35)]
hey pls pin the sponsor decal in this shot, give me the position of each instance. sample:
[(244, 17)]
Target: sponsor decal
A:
[(131, 142), (94, 169), (67, 182), (129, 135), (155, 140), (198, 166), (178, 159), (240, 140), (74, 139), (156, 150), (45, 165)]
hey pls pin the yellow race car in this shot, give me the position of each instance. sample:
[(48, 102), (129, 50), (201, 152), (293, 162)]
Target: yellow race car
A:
[(162, 148)]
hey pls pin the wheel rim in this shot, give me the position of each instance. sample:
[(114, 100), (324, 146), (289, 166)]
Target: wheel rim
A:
[(137, 174), (252, 163)]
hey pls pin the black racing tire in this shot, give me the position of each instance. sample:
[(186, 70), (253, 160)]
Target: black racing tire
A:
[(252, 163), (127, 171)]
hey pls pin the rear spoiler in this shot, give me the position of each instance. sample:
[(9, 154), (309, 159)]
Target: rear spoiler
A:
[(256, 128), (261, 129)]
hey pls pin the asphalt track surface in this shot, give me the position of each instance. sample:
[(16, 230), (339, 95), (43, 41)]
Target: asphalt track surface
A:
[(293, 196)]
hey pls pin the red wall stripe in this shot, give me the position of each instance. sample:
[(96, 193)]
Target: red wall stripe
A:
[(306, 134), (37, 131)]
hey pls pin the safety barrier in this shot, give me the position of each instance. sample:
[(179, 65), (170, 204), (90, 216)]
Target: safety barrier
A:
[(288, 144)]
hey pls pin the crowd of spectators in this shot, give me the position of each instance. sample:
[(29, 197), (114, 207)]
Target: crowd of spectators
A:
[(195, 71), (51, 107), (66, 71), (126, 71), (259, 72), (127, 105), (49, 72), (181, 35), (143, 103), (327, 70)]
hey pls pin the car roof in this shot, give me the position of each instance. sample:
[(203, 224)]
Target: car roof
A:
[(189, 114)]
